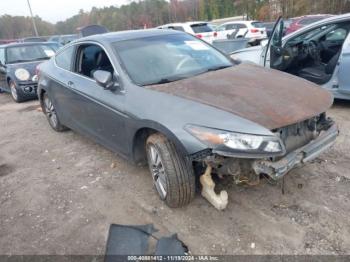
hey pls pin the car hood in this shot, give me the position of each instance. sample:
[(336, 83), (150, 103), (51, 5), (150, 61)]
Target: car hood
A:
[(270, 98), (30, 66)]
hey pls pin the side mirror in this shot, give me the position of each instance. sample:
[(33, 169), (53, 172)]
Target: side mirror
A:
[(105, 79)]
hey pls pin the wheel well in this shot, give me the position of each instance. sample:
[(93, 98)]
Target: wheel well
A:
[(42, 92), (139, 144)]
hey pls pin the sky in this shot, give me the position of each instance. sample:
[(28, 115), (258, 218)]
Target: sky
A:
[(53, 10)]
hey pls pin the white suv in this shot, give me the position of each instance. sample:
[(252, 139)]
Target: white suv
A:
[(254, 30), (202, 30)]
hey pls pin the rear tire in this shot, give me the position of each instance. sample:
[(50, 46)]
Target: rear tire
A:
[(172, 174), (51, 114), (16, 93)]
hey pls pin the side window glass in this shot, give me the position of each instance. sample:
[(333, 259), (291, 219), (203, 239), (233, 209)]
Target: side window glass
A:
[(177, 28), (2, 56), (92, 58), (241, 26), (336, 35), (64, 59)]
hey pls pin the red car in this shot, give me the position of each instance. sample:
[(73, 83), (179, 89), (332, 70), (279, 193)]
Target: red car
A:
[(299, 22)]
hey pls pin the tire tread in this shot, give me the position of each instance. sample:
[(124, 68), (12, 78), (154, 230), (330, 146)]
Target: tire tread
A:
[(179, 172)]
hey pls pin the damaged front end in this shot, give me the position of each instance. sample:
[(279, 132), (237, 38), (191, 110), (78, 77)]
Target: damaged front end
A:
[(304, 142), (246, 157)]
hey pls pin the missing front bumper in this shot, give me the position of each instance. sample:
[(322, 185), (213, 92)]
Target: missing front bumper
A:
[(277, 169)]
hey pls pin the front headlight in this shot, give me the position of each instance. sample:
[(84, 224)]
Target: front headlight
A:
[(22, 74), (231, 142)]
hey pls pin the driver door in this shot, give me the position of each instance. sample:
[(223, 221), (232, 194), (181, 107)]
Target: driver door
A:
[(273, 53), (344, 65)]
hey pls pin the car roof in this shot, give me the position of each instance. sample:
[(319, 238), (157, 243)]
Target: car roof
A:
[(127, 35)]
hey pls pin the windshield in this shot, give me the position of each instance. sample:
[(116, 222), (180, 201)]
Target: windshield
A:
[(167, 58), (311, 34), (27, 53)]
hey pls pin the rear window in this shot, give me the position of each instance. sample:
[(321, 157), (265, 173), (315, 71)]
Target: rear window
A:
[(257, 25), (201, 28)]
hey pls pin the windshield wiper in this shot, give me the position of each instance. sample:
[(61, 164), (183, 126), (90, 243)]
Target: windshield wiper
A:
[(165, 81), (31, 60), (18, 61), (217, 68)]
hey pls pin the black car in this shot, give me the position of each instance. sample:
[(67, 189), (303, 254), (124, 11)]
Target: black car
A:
[(168, 98), (18, 66)]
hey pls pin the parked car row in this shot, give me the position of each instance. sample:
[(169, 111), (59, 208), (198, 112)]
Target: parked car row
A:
[(253, 30)]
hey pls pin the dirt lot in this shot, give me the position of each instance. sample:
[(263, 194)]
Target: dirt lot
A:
[(59, 192)]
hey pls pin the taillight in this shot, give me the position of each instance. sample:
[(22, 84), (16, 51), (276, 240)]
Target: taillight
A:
[(254, 30), (215, 34), (199, 36)]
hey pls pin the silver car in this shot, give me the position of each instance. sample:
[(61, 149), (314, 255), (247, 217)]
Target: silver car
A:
[(319, 53)]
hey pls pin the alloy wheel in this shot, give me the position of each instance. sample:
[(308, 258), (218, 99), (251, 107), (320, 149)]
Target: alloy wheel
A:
[(157, 171), (50, 111), (14, 91)]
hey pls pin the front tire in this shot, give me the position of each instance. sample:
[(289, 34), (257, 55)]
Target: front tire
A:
[(16, 93), (172, 174), (51, 114)]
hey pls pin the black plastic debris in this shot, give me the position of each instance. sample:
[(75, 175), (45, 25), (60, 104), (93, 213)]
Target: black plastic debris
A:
[(128, 240), (134, 241), (170, 246)]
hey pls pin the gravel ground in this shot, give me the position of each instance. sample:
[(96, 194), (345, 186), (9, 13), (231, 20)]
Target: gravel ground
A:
[(59, 193)]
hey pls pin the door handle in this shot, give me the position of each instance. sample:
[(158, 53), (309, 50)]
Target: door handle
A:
[(70, 84)]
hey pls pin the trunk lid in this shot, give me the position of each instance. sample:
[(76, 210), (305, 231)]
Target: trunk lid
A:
[(268, 97)]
